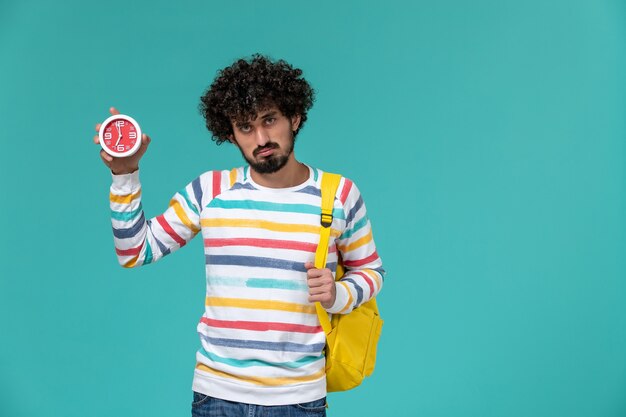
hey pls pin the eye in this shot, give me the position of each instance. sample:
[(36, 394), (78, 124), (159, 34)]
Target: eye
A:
[(270, 120), (245, 128)]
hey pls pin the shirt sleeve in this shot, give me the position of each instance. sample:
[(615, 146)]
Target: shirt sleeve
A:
[(364, 273), (139, 241)]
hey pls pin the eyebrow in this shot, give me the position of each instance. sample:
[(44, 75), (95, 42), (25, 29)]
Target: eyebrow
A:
[(272, 113)]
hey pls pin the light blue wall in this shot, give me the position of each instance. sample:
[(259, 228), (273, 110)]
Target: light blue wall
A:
[(487, 138)]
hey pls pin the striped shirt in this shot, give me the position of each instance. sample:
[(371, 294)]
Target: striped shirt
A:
[(261, 340)]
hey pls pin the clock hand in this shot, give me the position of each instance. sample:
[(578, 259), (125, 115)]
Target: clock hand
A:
[(119, 132)]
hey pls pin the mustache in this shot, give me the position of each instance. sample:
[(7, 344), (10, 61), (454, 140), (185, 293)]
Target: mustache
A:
[(269, 145)]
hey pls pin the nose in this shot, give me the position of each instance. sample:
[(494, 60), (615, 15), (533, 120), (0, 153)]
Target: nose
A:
[(262, 137)]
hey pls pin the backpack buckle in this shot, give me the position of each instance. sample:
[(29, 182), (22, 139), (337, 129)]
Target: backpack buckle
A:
[(326, 219)]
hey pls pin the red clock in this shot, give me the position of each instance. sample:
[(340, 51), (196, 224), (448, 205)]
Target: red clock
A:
[(120, 135)]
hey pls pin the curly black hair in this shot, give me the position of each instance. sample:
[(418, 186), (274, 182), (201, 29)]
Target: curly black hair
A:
[(252, 85)]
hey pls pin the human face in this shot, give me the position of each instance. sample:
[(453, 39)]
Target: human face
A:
[(266, 142)]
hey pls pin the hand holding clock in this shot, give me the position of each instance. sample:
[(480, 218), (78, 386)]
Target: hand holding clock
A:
[(121, 164)]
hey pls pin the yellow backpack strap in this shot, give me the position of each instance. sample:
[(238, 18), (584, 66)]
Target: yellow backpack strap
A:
[(330, 183)]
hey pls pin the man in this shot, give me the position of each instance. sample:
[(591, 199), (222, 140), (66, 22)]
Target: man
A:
[(261, 340)]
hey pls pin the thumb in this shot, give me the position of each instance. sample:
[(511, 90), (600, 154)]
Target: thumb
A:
[(309, 265), (145, 141)]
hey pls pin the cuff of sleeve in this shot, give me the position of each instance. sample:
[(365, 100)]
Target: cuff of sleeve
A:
[(126, 183), (341, 299)]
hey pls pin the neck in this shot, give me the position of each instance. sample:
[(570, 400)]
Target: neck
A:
[(292, 174)]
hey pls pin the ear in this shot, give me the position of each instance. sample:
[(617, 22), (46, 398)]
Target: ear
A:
[(295, 122)]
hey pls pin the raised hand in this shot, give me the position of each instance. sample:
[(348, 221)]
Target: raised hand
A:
[(127, 164)]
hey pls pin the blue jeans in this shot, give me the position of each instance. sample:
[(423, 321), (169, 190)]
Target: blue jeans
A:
[(206, 406)]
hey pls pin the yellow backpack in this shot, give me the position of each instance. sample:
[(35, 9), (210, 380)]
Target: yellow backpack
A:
[(351, 338)]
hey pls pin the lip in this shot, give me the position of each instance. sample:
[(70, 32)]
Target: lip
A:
[(266, 152)]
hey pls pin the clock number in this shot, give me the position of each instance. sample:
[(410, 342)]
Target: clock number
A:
[(132, 135), (121, 123), (120, 148), (108, 136)]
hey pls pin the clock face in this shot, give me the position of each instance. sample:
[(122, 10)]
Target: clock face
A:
[(120, 135)]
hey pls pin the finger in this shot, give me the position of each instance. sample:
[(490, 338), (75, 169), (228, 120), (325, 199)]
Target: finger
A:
[(314, 273), (96, 139), (320, 281), (106, 157), (309, 265), (319, 290), (145, 141), (98, 126), (314, 299), (322, 298), (313, 283), (114, 111)]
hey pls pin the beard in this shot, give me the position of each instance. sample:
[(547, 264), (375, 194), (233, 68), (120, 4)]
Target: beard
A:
[(271, 164)]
